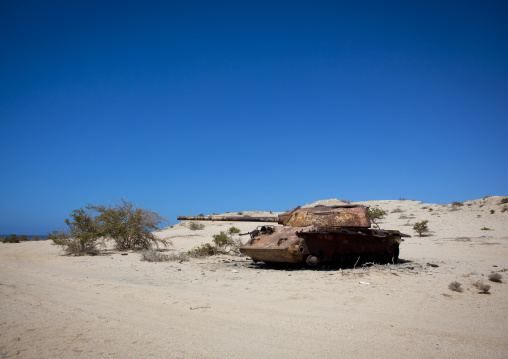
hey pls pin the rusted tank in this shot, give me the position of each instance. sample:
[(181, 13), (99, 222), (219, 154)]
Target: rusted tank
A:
[(317, 235)]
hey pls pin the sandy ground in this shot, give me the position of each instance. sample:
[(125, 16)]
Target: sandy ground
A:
[(117, 306)]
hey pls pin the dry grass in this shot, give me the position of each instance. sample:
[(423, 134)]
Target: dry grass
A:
[(455, 286), (482, 287), (495, 277), (150, 255)]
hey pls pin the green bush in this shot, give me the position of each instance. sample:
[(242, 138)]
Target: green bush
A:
[(492, 211), (485, 229), (505, 208), (223, 243), (457, 204), (233, 230), (376, 213), (421, 227), (11, 239), (504, 200)]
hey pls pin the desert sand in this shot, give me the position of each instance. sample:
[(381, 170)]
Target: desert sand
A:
[(116, 306)]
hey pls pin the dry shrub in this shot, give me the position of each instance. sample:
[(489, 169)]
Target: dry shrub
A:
[(223, 243), (150, 255), (195, 226), (397, 210), (455, 286), (482, 287), (495, 277)]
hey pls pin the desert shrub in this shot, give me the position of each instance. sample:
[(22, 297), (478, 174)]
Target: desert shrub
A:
[(421, 227), (504, 200), (485, 229), (397, 210), (201, 215), (240, 213), (84, 236), (35, 238), (455, 286), (195, 226), (203, 250), (457, 204), (129, 226), (222, 243), (11, 239), (492, 211), (376, 213), (482, 287), (495, 277), (150, 255), (430, 210), (233, 230)]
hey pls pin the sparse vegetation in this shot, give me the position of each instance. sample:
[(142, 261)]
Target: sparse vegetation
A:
[(482, 287), (504, 200), (455, 286), (201, 215), (150, 255), (505, 208), (430, 210), (457, 204), (495, 277), (485, 229), (397, 210), (240, 213), (11, 239), (492, 211), (421, 227), (195, 226), (223, 243)]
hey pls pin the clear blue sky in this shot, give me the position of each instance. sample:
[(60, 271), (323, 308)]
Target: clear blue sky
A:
[(188, 107)]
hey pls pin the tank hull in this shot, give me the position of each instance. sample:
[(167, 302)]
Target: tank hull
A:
[(312, 245)]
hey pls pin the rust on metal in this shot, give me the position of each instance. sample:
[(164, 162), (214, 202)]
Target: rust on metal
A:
[(315, 235)]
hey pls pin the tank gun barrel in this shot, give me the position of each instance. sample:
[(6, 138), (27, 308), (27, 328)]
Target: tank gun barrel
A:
[(278, 219)]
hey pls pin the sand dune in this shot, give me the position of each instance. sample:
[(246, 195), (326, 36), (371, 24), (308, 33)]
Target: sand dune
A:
[(117, 306)]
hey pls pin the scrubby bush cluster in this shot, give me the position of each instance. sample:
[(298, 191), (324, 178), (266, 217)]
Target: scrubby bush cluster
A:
[(13, 238), (195, 226), (129, 226), (457, 204), (222, 243), (504, 200)]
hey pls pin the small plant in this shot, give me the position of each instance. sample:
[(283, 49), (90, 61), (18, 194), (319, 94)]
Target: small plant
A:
[(421, 227), (376, 213), (505, 208), (478, 216), (233, 230), (485, 229), (492, 211), (455, 286), (240, 213), (271, 212), (204, 250), (402, 199), (482, 287), (495, 277), (397, 210), (457, 204), (201, 215), (504, 200), (430, 210), (195, 226)]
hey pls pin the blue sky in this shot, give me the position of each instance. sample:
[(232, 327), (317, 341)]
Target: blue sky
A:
[(188, 107)]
